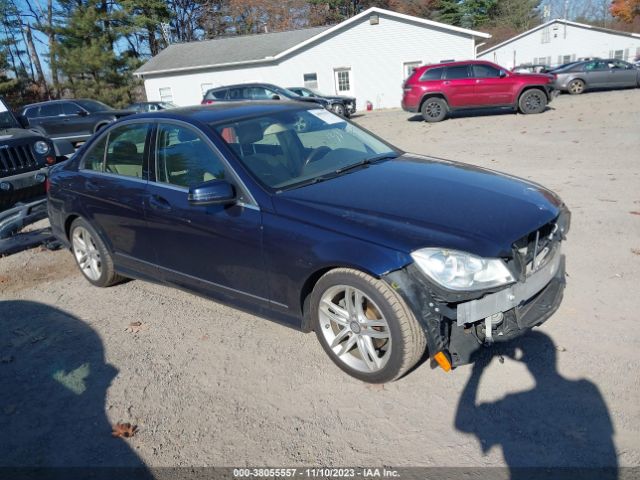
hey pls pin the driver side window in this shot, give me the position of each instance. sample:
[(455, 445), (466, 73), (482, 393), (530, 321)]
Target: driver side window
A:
[(184, 159)]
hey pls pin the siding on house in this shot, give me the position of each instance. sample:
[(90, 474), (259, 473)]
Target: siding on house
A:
[(559, 42), (374, 54)]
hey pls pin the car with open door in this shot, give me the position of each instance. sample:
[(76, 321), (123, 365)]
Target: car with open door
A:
[(296, 214)]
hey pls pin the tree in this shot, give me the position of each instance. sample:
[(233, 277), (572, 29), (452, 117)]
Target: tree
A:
[(625, 10), (87, 53)]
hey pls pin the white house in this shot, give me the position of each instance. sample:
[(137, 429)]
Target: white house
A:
[(561, 41), (367, 56)]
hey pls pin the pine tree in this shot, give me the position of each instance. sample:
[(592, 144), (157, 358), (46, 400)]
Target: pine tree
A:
[(88, 54)]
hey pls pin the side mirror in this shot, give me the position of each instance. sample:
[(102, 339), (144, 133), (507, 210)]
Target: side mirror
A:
[(275, 97), (502, 74), (82, 113), (213, 192)]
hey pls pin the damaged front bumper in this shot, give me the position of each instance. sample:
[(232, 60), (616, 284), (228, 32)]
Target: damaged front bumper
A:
[(459, 326)]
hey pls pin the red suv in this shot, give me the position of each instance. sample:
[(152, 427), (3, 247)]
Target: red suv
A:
[(435, 90)]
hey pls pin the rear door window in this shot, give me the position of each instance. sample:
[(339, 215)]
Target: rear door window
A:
[(51, 110), (217, 94), (457, 72), (126, 150), (94, 158)]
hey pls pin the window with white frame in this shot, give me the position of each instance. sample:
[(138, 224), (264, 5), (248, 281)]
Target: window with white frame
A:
[(205, 87), (310, 80), (546, 35), (165, 94), (343, 80), (409, 67), (618, 54)]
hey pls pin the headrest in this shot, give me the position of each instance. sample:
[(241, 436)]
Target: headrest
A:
[(249, 132), (185, 135), (125, 148)]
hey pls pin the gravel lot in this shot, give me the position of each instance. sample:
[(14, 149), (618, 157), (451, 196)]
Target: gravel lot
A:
[(209, 385)]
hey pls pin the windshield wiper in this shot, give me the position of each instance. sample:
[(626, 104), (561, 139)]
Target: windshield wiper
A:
[(366, 161), (305, 183)]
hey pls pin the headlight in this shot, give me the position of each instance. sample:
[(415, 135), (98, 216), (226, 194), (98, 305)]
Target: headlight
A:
[(462, 271), (41, 148)]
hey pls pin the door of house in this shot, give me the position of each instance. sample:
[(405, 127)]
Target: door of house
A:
[(344, 81)]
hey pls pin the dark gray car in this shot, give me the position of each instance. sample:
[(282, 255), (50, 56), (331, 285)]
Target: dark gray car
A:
[(72, 120), (594, 74)]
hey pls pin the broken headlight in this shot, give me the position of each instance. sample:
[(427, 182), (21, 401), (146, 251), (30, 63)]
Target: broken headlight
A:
[(462, 271)]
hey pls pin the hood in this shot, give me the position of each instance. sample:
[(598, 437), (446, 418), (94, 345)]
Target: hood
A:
[(414, 202), (12, 135), (535, 77)]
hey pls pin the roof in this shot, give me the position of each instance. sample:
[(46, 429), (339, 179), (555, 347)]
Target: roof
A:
[(563, 22), (224, 111), (265, 47)]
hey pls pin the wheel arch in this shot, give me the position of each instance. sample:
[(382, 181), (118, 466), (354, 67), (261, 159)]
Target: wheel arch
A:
[(526, 88), (311, 281), (429, 95)]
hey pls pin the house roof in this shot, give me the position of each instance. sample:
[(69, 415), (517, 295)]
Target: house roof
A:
[(563, 22), (265, 47)]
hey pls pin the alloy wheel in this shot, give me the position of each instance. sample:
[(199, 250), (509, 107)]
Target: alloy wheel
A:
[(355, 328), (86, 253), (433, 110), (576, 87), (533, 102)]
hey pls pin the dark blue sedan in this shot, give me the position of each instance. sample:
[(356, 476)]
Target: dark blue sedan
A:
[(295, 214)]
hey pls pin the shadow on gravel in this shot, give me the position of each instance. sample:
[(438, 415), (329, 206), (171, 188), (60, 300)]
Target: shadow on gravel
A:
[(53, 382), (560, 429)]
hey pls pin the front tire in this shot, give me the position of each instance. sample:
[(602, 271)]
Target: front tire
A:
[(576, 87), (91, 255), (532, 101), (338, 109), (365, 327), (434, 109)]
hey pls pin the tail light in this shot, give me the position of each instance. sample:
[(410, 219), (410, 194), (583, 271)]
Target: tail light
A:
[(206, 101)]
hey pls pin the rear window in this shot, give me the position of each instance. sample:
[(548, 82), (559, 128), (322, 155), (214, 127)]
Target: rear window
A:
[(51, 110), (216, 94), (461, 71), (432, 74)]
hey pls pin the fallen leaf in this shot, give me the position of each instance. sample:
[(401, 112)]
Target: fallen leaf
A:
[(634, 213), (635, 251), (125, 430), (135, 327), (561, 349)]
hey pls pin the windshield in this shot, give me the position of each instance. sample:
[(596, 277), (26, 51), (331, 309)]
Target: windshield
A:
[(292, 148), (286, 91), (6, 117), (93, 106)]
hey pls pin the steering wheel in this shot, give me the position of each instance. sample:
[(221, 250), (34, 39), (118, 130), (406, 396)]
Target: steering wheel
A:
[(316, 154)]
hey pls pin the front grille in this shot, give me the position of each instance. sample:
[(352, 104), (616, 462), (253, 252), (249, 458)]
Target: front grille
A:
[(533, 251), (16, 159)]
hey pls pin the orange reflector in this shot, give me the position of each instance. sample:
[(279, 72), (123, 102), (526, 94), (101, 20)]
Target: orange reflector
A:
[(443, 361)]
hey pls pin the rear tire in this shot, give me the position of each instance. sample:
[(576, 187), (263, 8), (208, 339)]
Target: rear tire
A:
[(434, 109), (576, 87), (532, 101), (91, 255), (364, 326)]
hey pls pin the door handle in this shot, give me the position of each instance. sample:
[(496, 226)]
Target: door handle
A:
[(446, 82), (159, 203)]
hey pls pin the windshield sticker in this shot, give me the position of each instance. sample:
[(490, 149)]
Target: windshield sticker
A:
[(326, 116)]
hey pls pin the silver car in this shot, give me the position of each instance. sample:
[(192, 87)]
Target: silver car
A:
[(580, 76)]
